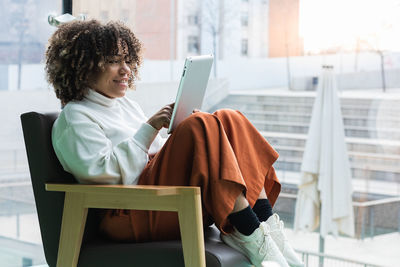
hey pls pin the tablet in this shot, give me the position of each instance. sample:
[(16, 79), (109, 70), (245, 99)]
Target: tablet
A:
[(192, 88)]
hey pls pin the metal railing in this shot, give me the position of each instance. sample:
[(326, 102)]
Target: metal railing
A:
[(312, 259), (368, 207), (362, 209), (13, 160)]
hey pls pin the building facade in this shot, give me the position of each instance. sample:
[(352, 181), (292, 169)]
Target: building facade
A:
[(175, 29), (153, 21), (284, 37)]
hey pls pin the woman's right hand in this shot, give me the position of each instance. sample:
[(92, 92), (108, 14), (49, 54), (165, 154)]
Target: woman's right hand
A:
[(162, 118)]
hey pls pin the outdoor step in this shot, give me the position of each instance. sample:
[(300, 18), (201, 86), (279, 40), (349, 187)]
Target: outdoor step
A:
[(370, 167), (367, 145), (360, 171), (298, 100), (359, 185), (372, 122), (268, 98), (356, 157), (12, 176), (295, 99), (290, 100), (293, 117), (13, 160), (278, 116), (354, 164), (273, 107), (350, 116), (284, 139), (19, 167), (370, 158), (351, 131), (386, 113)]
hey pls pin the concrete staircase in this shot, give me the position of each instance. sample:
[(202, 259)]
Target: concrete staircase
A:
[(372, 129)]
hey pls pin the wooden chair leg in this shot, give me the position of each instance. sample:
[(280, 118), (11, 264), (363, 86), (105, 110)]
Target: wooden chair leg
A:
[(72, 228), (191, 227)]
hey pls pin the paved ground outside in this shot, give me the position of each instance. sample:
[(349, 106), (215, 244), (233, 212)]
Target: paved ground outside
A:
[(381, 250)]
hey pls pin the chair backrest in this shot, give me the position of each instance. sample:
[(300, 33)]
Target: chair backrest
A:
[(44, 167)]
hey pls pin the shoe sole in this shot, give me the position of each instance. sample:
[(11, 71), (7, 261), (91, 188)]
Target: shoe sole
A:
[(227, 240)]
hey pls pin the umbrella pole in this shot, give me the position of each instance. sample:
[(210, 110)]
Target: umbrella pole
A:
[(321, 241), (321, 250)]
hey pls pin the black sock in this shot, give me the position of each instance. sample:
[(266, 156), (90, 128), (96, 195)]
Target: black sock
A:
[(245, 221), (263, 209)]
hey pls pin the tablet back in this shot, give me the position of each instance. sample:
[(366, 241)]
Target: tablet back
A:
[(192, 88)]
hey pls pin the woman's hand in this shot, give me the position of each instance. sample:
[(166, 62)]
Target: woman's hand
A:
[(162, 117)]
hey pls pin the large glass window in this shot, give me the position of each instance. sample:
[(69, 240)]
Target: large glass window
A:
[(290, 41), (269, 69), (193, 44), (193, 20), (23, 87), (245, 47), (244, 19)]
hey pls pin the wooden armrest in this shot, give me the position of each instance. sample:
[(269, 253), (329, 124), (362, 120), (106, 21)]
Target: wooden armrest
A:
[(139, 197), (151, 190), (186, 200)]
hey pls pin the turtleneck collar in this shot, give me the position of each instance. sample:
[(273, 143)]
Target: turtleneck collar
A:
[(100, 99)]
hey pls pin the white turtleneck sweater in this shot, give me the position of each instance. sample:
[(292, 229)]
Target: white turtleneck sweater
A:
[(104, 141)]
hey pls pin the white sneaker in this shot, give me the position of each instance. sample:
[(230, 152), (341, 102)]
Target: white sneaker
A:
[(280, 239), (258, 246)]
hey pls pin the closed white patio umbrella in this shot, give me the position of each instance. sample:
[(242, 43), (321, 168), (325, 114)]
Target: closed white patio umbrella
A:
[(325, 191)]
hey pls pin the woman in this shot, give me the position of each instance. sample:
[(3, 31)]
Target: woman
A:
[(103, 137)]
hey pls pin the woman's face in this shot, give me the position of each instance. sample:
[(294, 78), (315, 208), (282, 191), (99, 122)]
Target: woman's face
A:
[(113, 81)]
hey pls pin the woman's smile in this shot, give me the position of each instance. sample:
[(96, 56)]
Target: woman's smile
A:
[(114, 80)]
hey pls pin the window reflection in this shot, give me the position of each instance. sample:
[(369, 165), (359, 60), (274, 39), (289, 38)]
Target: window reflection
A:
[(258, 45), (23, 38)]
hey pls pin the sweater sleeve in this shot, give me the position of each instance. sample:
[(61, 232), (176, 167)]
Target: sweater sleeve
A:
[(158, 141), (86, 152)]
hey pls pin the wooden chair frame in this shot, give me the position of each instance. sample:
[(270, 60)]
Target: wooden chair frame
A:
[(78, 198)]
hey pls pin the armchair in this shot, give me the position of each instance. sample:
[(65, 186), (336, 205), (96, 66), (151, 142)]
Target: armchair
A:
[(69, 227)]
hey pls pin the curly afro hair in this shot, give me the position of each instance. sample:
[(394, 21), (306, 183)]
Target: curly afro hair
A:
[(78, 51)]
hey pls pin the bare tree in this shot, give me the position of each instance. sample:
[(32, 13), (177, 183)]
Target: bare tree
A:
[(211, 22), (19, 25), (211, 16), (373, 46), (286, 11), (373, 42)]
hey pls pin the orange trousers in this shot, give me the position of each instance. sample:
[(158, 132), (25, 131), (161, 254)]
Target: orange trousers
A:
[(223, 154)]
